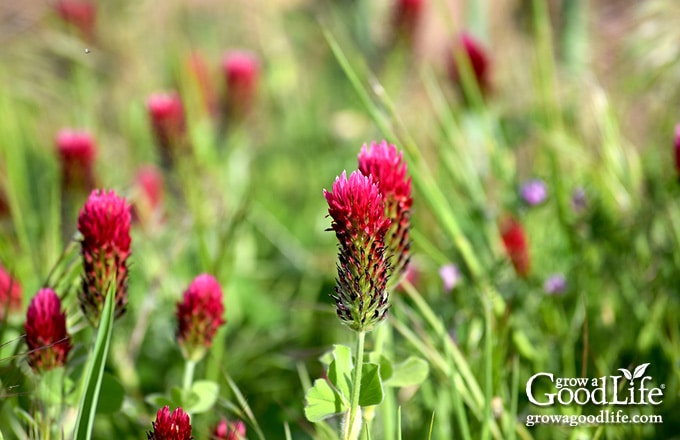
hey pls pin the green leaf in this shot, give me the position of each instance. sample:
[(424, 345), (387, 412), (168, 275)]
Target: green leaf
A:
[(158, 400), (386, 369), (183, 398), (95, 369), (413, 371), (323, 401), (207, 392), (113, 394), (340, 370), (371, 385)]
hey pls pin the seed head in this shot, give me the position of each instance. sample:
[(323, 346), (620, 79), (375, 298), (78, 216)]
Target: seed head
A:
[(10, 294), (358, 213), (386, 166), (104, 223), (175, 426), (199, 316), (48, 341)]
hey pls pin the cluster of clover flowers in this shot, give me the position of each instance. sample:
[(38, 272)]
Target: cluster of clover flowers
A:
[(370, 212), (104, 223)]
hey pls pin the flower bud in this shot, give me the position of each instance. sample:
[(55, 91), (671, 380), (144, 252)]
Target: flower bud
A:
[(48, 341)]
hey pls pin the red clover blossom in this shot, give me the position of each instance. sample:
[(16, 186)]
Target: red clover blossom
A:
[(77, 151), (241, 71), (226, 430), (166, 112), (356, 207), (104, 223), (48, 341)]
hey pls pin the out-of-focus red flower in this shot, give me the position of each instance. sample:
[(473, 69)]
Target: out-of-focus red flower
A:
[(104, 223), (516, 246), (199, 316), (77, 152), (478, 59), (81, 14), (168, 121), (407, 17), (226, 430), (148, 194), (676, 143), (386, 165), (48, 341), (171, 426), (200, 74), (241, 71), (358, 212), (4, 204), (10, 293)]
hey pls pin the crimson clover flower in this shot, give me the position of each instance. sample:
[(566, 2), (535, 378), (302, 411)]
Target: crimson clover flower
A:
[(10, 293), (407, 17), (170, 426), (77, 152), (48, 341), (104, 223), (241, 71), (478, 58), (226, 430), (166, 112), (386, 165), (516, 246), (81, 14), (148, 194), (358, 213), (199, 316)]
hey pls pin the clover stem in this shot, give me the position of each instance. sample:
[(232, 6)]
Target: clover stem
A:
[(356, 385)]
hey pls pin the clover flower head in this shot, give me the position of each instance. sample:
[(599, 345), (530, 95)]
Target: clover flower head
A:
[(171, 426), (48, 341)]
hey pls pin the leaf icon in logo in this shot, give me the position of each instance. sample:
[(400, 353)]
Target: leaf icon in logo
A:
[(640, 370), (626, 373)]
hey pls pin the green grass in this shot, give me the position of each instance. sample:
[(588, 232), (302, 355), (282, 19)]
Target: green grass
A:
[(247, 206)]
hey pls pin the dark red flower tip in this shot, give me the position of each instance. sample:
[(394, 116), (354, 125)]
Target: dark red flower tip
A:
[(48, 341), (81, 14), (407, 17), (516, 246), (226, 430), (4, 204), (478, 58), (104, 223), (77, 151), (10, 293), (241, 71), (199, 316), (175, 426), (148, 194), (676, 143)]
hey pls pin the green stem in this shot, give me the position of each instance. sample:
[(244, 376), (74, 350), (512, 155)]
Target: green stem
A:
[(356, 385), (188, 378)]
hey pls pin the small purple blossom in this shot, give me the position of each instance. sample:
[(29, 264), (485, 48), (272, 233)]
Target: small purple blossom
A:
[(534, 192), (450, 276), (555, 284), (579, 202)]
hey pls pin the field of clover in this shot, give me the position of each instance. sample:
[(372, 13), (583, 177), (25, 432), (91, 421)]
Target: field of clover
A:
[(338, 219)]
